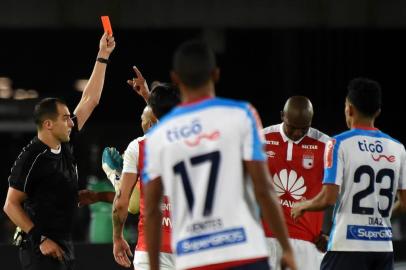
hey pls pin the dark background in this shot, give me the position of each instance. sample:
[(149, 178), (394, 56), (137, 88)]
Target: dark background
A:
[(267, 51)]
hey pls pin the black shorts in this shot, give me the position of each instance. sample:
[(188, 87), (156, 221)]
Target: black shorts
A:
[(258, 265), (349, 260)]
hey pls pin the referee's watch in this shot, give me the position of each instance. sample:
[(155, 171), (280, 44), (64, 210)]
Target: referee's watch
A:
[(43, 238)]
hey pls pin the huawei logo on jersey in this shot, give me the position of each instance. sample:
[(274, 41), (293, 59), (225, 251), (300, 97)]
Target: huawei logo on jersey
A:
[(289, 186)]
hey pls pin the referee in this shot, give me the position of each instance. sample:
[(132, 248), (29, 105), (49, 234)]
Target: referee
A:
[(43, 185)]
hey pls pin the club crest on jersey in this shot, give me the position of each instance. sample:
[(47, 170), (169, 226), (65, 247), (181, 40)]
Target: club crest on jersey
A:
[(308, 161)]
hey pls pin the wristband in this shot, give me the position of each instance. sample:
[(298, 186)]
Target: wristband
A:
[(34, 235), (103, 60)]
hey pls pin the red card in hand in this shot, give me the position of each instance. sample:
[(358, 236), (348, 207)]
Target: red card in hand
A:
[(106, 25)]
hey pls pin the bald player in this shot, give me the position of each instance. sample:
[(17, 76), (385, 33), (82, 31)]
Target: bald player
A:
[(295, 153)]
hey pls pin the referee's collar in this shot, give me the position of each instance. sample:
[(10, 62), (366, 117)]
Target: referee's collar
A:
[(53, 151), (56, 151)]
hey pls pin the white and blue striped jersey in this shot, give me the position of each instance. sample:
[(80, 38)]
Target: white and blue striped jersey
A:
[(198, 150), (369, 166)]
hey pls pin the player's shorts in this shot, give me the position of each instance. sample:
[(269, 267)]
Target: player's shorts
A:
[(258, 265), (306, 255), (357, 260), (141, 261)]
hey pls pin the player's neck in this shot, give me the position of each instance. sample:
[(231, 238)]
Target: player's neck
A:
[(363, 123), (193, 95), (49, 140)]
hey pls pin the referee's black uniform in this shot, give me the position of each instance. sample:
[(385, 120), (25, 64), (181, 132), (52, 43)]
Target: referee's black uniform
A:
[(50, 180)]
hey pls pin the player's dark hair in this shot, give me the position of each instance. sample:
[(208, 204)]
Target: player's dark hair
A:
[(193, 62), (163, 98), (365, 94), (46, 109)]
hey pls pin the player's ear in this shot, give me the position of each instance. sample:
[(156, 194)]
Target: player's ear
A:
[(175, 78), (378, 112), (351, 110)]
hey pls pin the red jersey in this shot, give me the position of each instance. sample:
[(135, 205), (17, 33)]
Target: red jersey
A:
[(166, 207), (297, 170)]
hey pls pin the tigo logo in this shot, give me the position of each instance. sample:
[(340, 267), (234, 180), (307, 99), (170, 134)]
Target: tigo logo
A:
[(289, 184)]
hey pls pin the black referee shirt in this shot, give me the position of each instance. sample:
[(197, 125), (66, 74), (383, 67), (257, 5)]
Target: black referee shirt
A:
[(50, 181)]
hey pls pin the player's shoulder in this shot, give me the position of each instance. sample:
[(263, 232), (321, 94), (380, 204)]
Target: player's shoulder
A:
[(375, 133), (216, 102), (210, 103), (272, 129), (134, 143), (318, 135)]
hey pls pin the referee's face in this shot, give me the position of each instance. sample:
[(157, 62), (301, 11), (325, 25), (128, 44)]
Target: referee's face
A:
[(63, 124)]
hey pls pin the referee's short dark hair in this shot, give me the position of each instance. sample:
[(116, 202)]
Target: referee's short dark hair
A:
[(365, 94), (163, 98), (193, 62), (46, 109)]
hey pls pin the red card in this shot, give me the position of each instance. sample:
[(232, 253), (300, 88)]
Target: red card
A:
[(106, 25)]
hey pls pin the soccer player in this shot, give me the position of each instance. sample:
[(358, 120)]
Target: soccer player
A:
[(162, 99), (364, 169), (207, 155), (295, 160)]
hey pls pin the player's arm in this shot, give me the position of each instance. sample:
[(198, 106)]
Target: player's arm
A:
[(270, 207), (153, 220), (139, 84), (93, 89), (87, 197), (121, 249), (400, 204), (327, 197)]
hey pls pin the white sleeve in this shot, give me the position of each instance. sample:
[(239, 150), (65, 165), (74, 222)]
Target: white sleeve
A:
[(333, 163), (253, 136), (402, 171), (152, 163), (131, 155)]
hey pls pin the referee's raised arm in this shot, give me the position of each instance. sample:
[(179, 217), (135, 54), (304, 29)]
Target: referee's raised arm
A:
[(92, 92)]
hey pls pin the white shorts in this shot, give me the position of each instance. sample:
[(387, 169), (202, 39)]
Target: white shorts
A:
[(141, 261), (306, 254)]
